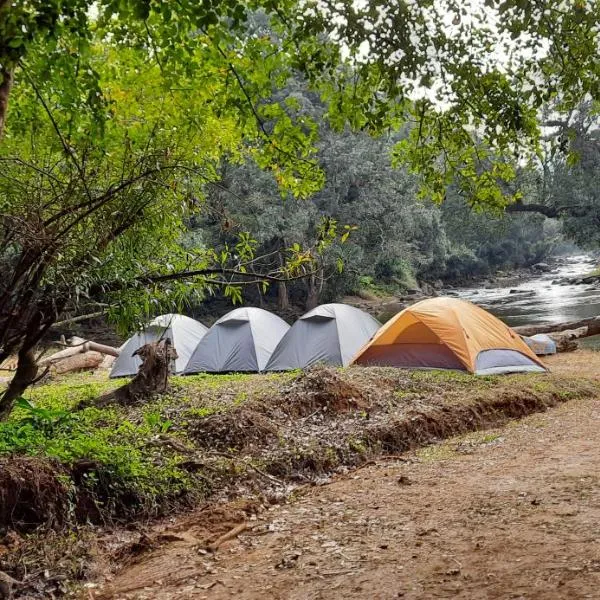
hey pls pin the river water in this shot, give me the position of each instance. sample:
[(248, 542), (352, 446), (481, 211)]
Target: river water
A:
[(538, 300)]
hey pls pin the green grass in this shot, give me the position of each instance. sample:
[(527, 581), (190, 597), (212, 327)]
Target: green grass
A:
[(125, 465), (117, 441), (132, 473), (455, 377)]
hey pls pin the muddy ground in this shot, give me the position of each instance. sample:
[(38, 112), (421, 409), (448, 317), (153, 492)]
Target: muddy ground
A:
[(512, 512)]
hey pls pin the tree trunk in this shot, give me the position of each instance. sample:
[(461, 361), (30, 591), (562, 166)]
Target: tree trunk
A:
[(283, 300), (261, 299), (152, 377), (6, 81), (312, 296), (24, 376), (593, 327)]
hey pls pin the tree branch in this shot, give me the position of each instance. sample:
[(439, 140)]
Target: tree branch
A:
[(68, 150), (78, 319), (249, 278), (552, 212), (150, 279)]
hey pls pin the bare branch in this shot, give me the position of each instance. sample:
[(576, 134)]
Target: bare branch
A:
[(78, 319)]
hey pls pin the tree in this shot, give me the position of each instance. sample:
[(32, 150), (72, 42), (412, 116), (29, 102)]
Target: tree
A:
[(111, 136), (469, 77)]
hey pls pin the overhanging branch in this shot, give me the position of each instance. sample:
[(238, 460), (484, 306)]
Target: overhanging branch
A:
[(151, 279), (243, 278), (552, 212)]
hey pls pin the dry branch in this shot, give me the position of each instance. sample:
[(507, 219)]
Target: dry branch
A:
[(227, 536)]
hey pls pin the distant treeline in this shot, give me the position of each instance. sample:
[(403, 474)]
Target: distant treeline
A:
[(400, 240)]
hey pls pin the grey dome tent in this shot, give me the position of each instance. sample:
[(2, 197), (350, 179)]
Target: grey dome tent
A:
[(541, 343), (330, 334), (242, 340), (184, 333)]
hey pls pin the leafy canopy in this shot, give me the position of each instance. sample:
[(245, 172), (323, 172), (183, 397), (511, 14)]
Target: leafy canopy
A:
[(120, 112), (119, 116), (469, 77)]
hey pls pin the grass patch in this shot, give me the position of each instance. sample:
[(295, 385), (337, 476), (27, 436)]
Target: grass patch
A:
[(436, 452)]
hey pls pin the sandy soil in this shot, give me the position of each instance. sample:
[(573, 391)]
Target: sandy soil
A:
[(507, 513)]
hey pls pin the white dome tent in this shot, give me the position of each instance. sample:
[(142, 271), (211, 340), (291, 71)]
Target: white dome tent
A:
[(184, 333), (242, 341), (330, 334)]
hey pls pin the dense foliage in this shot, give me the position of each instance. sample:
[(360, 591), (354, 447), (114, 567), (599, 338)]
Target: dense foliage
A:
[(397, 238)]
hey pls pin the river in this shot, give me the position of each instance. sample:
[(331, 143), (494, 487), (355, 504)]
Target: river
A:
[(537, 300)]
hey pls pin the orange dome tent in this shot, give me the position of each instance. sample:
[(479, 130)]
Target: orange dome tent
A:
[(448, 333)]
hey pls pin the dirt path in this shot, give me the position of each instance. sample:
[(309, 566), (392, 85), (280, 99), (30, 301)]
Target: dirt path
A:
[(509, 513)]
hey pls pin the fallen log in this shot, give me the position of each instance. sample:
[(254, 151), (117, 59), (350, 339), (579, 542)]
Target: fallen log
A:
[(566, 341), (80, 362), (592, 327), (79, 348)]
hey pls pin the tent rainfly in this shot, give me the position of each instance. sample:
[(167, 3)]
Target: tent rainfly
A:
[(329, 334), (242, 340), (184, 333), (449, 333)]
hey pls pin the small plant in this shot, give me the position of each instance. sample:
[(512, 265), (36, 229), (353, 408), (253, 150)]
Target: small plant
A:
[(240, 398), (46, 420), (155, 421), (357, 445), (203, 411)]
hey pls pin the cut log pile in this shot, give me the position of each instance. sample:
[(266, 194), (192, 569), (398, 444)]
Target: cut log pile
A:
[(564, 334)]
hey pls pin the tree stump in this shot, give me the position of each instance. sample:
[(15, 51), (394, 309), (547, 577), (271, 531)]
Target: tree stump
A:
[(152, 377)]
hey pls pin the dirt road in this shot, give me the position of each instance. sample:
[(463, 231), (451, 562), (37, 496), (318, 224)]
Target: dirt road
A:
[(509, 513)]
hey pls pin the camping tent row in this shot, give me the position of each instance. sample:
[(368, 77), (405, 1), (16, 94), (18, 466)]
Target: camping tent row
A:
[(254, 340), (438, 333)]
